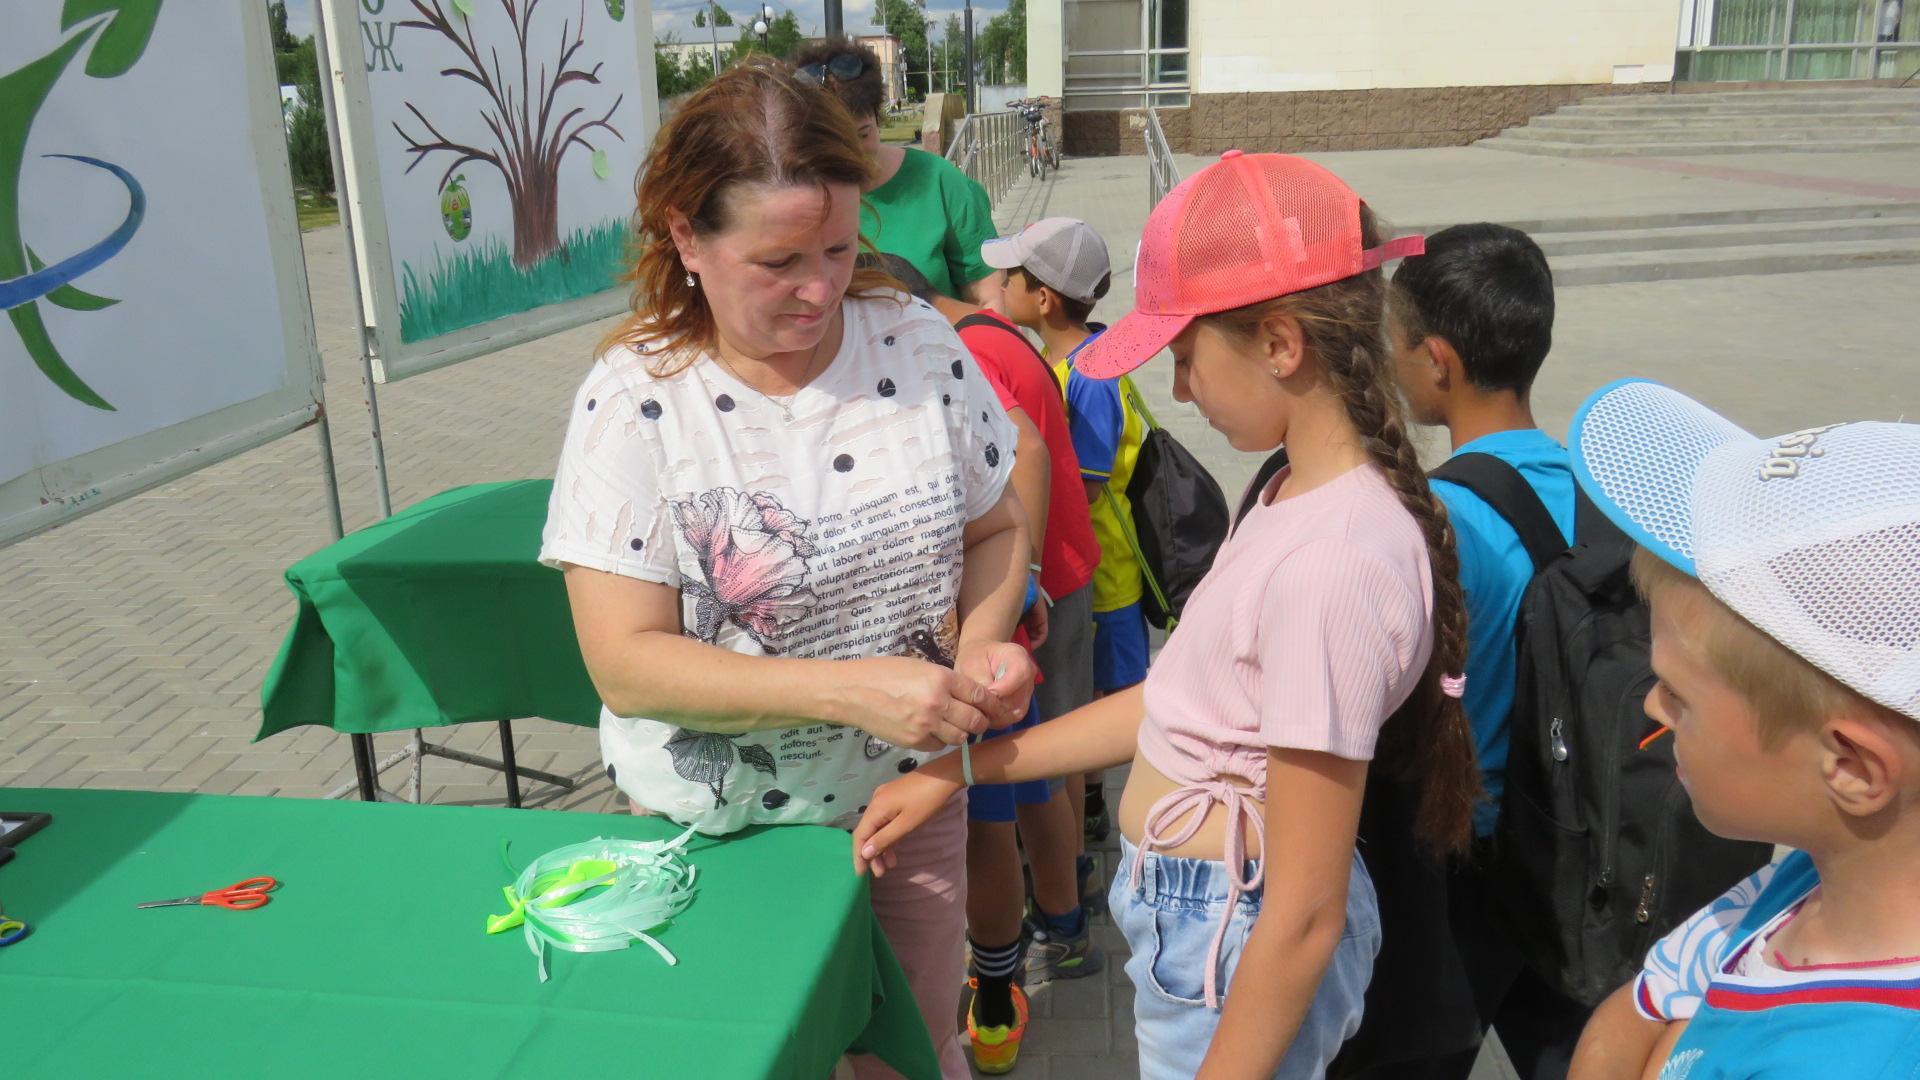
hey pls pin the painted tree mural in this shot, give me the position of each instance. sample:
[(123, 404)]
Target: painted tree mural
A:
[(532, 130)]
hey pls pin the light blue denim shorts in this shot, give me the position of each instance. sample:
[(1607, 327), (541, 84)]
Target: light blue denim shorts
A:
[(1169, 922)]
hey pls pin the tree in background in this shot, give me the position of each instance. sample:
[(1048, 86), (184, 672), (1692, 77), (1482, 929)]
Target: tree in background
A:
[(1001, 46), (307, 152), (906, 20), (783, 39), (677, 71), (292, 57)]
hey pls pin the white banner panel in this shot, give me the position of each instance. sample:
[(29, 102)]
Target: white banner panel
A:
[(155, 297), (491, 151)]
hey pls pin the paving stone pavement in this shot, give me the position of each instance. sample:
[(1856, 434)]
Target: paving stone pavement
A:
[(133, 641)]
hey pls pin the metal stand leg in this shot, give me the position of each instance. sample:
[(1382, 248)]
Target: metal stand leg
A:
[(506, 759), (363, 770)]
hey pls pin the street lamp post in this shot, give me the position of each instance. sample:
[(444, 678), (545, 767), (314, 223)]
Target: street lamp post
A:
[(762, 24)]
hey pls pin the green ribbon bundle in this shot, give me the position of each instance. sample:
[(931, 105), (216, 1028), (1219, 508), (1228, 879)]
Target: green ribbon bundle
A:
[(642, 885)]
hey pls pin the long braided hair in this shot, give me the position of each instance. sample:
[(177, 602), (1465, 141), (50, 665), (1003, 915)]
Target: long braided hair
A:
[(1427, 739)]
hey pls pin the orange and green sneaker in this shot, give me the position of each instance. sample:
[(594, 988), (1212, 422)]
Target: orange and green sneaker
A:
[(995, 1049)]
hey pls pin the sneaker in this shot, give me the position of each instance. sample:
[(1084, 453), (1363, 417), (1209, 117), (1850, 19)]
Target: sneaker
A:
[(1051, 957), (1098, 826), (995, 1049)]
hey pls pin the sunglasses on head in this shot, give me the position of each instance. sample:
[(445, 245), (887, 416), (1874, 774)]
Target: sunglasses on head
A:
[(843, 68)]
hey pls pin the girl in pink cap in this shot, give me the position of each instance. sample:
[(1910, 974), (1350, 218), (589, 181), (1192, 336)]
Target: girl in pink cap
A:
[(1327, 635)]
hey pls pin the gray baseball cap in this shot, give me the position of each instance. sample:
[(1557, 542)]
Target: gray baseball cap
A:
[(1064, 253)]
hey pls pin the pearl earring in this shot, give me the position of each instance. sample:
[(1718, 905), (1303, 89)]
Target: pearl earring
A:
[(692, 282)]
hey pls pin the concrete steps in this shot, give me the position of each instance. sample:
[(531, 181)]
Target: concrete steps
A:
[(1642, 125), (1658, 247)]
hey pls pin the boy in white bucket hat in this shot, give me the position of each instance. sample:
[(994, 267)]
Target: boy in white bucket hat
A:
[(1784, 578)]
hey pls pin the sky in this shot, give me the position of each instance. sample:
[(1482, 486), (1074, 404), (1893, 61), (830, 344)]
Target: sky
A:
[(676, 16)]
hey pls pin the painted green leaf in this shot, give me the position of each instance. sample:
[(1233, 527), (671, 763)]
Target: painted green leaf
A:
[(464, 7), (125, 37), (601, 168), (69, 297)]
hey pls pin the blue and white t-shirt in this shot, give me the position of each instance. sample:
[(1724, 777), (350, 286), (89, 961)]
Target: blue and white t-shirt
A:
[(1747, 1018), (835, 535), (1494, 573)]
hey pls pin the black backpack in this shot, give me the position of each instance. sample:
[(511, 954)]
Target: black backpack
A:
[(1178, 523), (1179, 517), (1598, 853)]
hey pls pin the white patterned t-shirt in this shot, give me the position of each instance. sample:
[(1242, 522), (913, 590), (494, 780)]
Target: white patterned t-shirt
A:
[(835, 536)]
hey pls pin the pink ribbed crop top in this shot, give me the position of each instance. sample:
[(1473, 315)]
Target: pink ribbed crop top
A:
[(1314, 624)]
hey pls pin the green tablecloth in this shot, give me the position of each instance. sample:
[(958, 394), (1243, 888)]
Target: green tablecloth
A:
[(437, 615), (372, 958)]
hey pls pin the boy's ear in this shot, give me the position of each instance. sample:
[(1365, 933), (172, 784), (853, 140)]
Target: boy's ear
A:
[(1866, 766), (1447, 369)]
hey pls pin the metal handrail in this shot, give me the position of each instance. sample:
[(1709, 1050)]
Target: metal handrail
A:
[(1162, 173), (988, 147)]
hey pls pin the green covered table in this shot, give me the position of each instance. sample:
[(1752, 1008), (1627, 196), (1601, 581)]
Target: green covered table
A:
[(372, 957), (440, 614)]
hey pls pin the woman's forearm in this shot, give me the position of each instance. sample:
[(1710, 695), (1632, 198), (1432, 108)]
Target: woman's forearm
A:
[(993, 578), (676, 680)]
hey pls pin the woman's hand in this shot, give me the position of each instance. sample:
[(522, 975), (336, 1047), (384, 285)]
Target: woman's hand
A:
[(1003, 668), (918, 705), (896, 809)]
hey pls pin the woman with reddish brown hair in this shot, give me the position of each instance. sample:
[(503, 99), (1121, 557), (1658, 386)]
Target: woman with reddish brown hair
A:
[(782, 511)]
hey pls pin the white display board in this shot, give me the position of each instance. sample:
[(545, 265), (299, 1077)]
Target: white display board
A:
[(491, 148), (154, 295)]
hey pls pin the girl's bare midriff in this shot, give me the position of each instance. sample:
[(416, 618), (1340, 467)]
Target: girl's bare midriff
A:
[(1147, 785)]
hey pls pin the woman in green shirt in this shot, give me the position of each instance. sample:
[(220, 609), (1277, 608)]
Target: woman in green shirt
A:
[(920, 206)]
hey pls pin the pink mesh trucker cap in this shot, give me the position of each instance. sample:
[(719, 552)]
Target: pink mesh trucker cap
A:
[(1246, 228), (1812, 536)]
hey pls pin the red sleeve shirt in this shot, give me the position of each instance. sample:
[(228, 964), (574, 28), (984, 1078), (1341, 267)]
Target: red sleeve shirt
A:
[(1023, 381)]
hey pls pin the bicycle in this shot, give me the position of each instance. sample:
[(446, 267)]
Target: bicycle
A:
[(1040, 151)]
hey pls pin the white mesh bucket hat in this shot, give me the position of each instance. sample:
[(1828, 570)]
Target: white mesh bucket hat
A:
[(1812, 536)]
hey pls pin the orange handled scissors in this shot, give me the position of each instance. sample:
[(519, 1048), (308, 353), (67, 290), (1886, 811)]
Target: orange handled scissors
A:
[(240, 896)]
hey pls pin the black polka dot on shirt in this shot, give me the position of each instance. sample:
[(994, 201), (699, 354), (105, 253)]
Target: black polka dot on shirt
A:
[(843, 463), (985, 418), (886, 388), (637, 544), (946, 399), (889, 340), (826, 798), (724, 403), (959, 370), (775, 799), (610, 778), (907, 765), (993, 456), (591, 402), (650, 409)]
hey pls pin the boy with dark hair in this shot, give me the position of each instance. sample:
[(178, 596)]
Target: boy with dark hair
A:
[(1057, 270), (1472, 322), (1058, 630), (1784, 580)]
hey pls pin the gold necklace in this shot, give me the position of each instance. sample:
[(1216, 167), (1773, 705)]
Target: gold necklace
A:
[(785, 405)]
